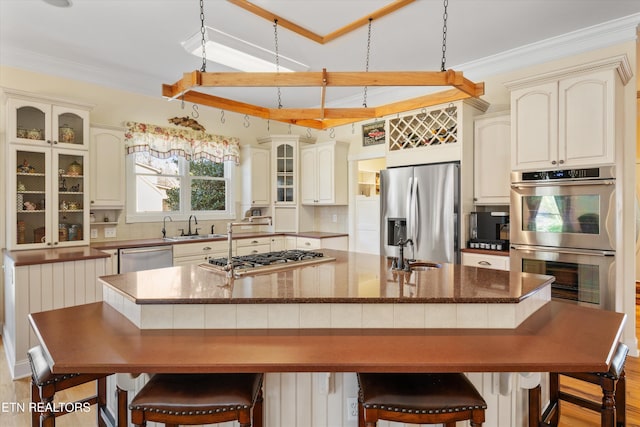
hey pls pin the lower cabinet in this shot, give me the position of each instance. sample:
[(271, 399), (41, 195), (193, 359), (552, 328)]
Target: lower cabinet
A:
[(197, 253), (253, 246), (41, 287), (496, 262)]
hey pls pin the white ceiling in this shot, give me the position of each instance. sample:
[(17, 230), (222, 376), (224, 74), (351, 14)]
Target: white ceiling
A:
[(134, 45)]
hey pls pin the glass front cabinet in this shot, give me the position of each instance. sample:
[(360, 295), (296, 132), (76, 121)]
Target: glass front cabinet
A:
[(47, 179)]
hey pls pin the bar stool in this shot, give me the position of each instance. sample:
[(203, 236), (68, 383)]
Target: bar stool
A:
[(190, 399), (44, 386), (613, 383), (419, 399)]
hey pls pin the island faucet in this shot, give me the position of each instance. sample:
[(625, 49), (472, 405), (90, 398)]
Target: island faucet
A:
[(195, 221), (402, 264), (229, 267), (164, 223)]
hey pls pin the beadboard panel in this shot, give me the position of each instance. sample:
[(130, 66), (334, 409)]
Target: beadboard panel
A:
[(42, 287)]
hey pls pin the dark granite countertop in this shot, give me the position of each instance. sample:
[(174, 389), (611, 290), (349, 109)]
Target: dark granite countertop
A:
[(352, 277), (133, 243), (46, 256)]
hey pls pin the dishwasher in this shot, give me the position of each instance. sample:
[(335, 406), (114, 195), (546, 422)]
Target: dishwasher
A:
[(144, 258)]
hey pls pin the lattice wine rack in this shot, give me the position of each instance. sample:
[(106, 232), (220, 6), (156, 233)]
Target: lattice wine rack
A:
[(425, 129)]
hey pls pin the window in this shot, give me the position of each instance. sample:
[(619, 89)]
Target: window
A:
[(179, 173), (180, 187)]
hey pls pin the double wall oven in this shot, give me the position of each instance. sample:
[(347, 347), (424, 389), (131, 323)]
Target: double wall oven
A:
[(563, 224)]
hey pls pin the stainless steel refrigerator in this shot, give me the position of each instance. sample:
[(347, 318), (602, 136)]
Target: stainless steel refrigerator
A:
[(421, 203)]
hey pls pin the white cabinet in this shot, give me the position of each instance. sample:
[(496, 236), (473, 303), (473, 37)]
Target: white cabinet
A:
[(324, 174), (200, 252), (340, 243), (492, 167), (496, 262), (107, 168), (278, 243), (255, 245), (37, 122), (285, 203), (46, 198), (47, 180), (569, 119), (256, 181)]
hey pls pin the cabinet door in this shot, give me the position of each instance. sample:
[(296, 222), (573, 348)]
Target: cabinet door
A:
[(309, 176), (28, 122), (107, 168), (260, 181), (492, 141), (285, 161), (29, 195), (325, 176), (70, 127), (70, 204), (534, 127), (587, 119)]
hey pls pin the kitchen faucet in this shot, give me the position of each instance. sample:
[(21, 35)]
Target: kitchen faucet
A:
[(401, 263), (196, 223), (164, 228), (229, 267)]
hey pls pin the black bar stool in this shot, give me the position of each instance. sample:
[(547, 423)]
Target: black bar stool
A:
[(613, 383), (191, 399), (419, 399), (44, 386)]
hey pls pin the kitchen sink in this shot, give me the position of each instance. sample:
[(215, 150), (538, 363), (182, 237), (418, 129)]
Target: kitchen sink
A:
[(194, 237), (423, 266)]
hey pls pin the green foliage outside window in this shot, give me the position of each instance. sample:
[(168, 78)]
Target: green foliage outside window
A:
[(206, 194)]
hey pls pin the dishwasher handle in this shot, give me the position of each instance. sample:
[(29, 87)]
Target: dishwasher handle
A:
[(145, 250)]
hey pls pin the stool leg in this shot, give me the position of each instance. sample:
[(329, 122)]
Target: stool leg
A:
[(101, 400), (554, 397), (621, 400), (35, 399), (258, 410), (47, 418), (608, 403), (121, 416)]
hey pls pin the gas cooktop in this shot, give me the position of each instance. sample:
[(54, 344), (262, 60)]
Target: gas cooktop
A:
[(269, 261)]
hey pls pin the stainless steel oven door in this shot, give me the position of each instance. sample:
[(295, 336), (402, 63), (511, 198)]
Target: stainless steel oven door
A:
[(586, 277), (568, 214)]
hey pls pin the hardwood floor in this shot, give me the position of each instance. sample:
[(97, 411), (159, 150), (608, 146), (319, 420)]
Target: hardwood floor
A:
[(571, 416)]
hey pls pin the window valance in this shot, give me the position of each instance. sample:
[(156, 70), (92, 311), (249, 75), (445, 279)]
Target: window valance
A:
[(163, 142)]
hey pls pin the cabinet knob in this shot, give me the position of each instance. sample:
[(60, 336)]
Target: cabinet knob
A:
[(561, 162), (553, 162), (484, 263), (307, 243), (206, 248), (254, 241)]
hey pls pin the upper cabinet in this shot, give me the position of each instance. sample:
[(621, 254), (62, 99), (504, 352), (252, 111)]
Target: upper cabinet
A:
[(491, 148), (38, 123), (324, 174), (256, 181), (107, 168), (48, 184), (569, 118)]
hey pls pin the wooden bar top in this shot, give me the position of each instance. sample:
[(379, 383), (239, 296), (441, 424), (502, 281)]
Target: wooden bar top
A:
[(559, 337)]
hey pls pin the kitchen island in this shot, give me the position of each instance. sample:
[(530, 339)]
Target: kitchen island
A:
[(312, 365)]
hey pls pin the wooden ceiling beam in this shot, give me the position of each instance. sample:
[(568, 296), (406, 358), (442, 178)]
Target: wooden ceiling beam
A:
[(298, 29), (323, 118), (327, 78)]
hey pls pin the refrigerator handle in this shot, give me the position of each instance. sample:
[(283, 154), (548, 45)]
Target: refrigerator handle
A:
[(415, 213), (409, 223)]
